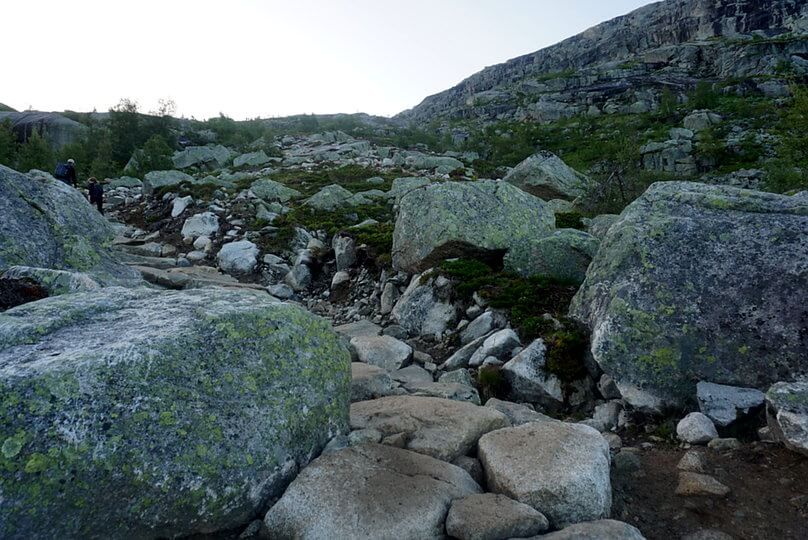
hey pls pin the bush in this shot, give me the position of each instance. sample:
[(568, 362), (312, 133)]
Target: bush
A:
[(36, 153), (8, 144), (156, 156)]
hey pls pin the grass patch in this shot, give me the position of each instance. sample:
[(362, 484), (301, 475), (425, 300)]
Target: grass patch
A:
[(351, 177)]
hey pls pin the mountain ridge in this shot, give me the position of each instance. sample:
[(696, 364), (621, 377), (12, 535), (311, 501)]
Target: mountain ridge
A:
[(687, 39)]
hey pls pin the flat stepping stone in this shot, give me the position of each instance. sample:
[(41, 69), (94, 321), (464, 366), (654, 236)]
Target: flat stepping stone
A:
[(441, 428)]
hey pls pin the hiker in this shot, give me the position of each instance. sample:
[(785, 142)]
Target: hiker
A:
[(96, 194), (66, 172)]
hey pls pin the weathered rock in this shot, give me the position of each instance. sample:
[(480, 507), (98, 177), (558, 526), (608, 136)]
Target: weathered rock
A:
[(695, 428), (564, 256), (48, 224), (701, 120), (362, 327), (560, 468), (440, 428), (180, 204), (402, 186), (725, 404), (383, 351), (517, 414), (133, 404), (499, 345), (388, 298), (238, 257), (421, 309), (252, 159), (124, 181), (56, 282), (205, 224), (299, 277), (454, 391), (330, 198), (546, 176), (528, 379), (370, 382), (699, 282), (691, 483), (483, 325), (787, 414), (412, 376), (57, 129), (160, 179), (488, 516), (461, 357), (213, 157), (344, 251), (605, 529), (469, 219), (693, 461), (347, 494), (272, 191), (458, 376), (598, 226)]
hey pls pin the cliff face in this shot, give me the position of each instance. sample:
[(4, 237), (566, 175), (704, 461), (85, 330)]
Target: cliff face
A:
[(622, 64)]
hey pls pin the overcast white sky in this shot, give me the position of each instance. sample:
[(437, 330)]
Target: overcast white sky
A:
[(250, 58)]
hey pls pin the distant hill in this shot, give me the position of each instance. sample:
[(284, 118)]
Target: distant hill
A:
[(6, 108), (623, 65)]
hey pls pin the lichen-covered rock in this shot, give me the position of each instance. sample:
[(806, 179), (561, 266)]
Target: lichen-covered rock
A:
[(698, 282), (158, 179), (528, 379), (546, 176), (213, 156), (370, 491), (270, 190), (56, 282), (330, 198), (138, 413), (48, 224), (252, 159), (787, 414), (564, 255), (469, 219), (725, 404)]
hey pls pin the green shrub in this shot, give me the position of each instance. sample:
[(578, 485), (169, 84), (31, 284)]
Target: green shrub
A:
[(565, 355), (492, 383), (36, 153)]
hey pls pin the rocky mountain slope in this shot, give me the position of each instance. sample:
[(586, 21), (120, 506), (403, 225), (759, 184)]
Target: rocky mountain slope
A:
[(624, 64)]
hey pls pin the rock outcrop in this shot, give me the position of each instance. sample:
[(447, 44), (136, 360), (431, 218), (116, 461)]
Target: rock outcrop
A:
[(698, 282), (57, 129), (624, 64), (48, 224), (139, 413), (546, 176)]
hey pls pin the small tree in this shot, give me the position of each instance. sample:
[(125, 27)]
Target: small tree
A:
[(8, 144), (36, 153), (125, 131), (156, 155), (704, 96), (667, 103)]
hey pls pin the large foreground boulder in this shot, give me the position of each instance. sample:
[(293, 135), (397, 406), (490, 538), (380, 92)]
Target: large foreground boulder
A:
[(546, 176), (560, 469), (370, 491), (698, 282), (48, 224), (136, 413), (484, 219)]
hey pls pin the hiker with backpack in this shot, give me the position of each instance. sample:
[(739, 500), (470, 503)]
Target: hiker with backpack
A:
[(66, 172), (96, 194)]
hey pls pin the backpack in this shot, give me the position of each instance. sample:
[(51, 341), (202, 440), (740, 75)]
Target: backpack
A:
[(62, 171)]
